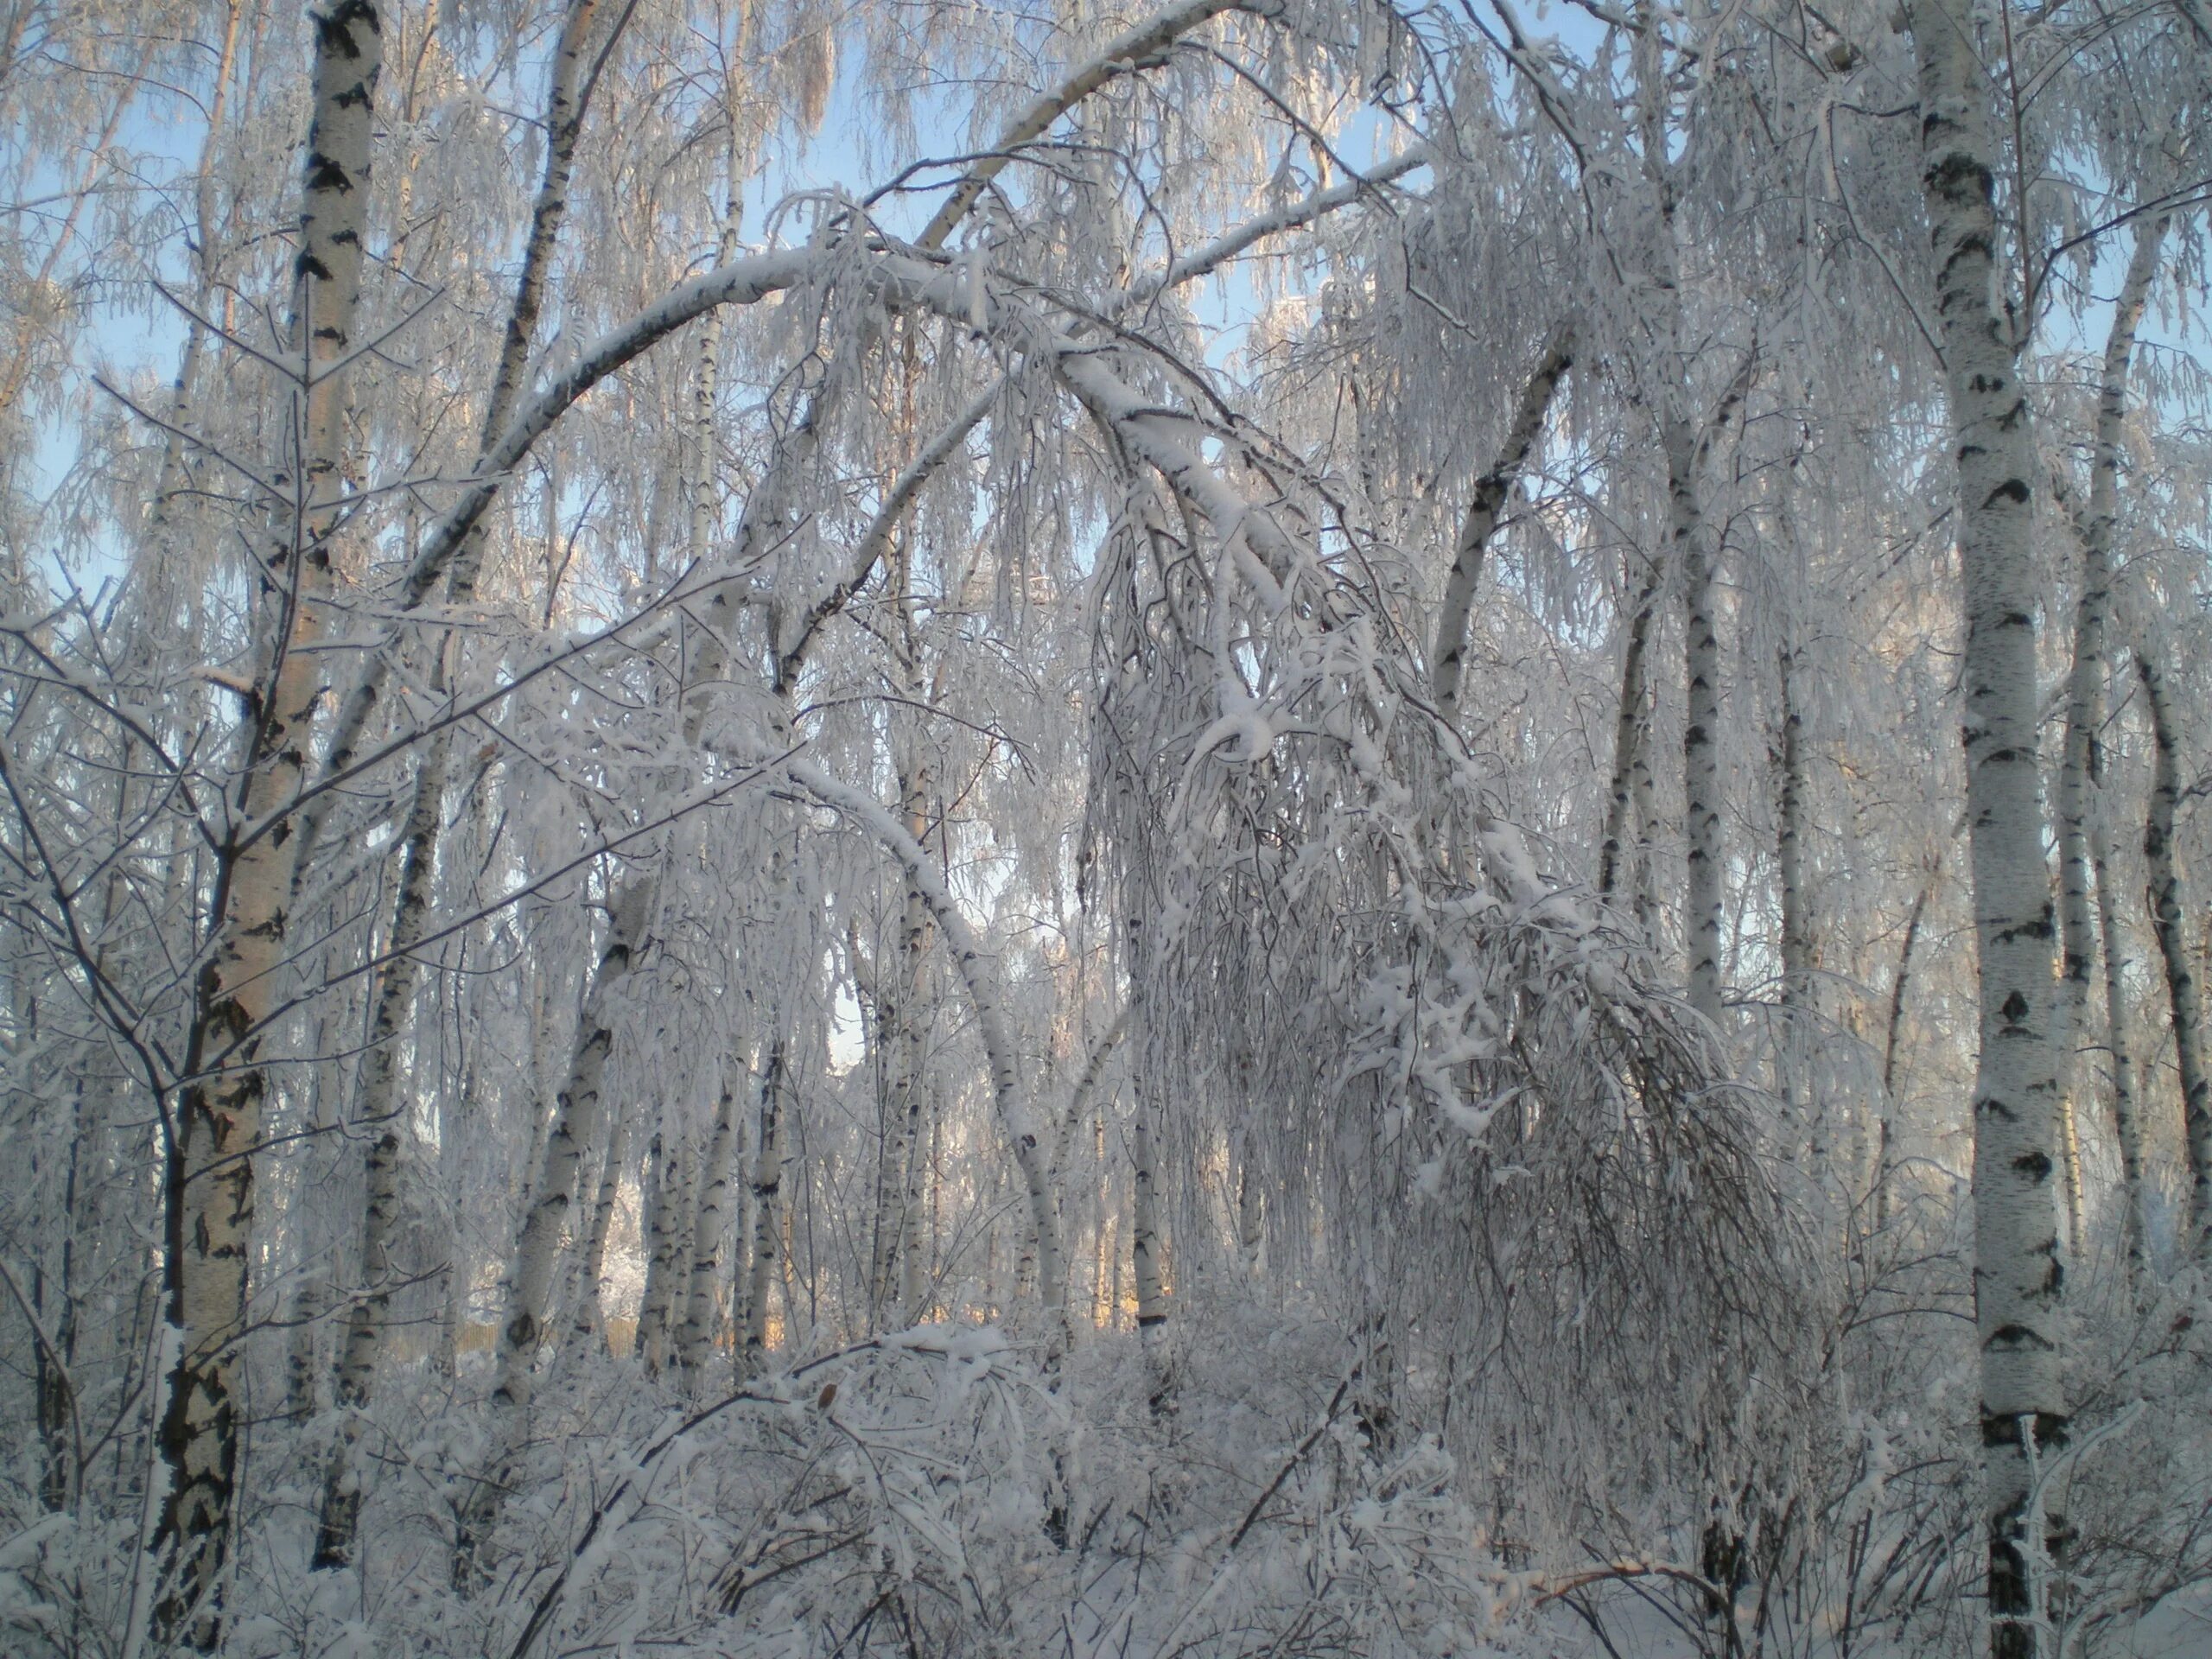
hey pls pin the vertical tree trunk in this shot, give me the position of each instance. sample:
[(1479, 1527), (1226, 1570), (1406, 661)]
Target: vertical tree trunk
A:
[(590, 1322), (568, 98), (2018, 1274), (2084, 699), (667, 1229), (377, 1108), (537, 1246), (1629, 757), (1884, 1153), (2169, 915), (767, 1191), (2126, 1117), (1492, 490), (1687, 453), (1145, 1249), (210, 1187), (697, 1340), (1798, 960)]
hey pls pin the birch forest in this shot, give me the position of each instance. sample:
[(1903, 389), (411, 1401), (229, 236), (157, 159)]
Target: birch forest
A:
[(1105, 828)]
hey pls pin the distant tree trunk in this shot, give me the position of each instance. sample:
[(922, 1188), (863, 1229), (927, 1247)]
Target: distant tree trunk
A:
[(210, 1182), (2126, 1117), (2169, 913), (697, 1340), (1491, 491), (1884, 1150), (1145, 1249), (768, 1221), (2019, 1269), (590, 1324), (537, 1247), (1629, 743), (1798, 958), (379, 1114), (2084, 699), (667, 1231)]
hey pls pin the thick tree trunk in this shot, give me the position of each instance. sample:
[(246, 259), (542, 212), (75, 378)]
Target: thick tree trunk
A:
[(1492, 490), (567, 98), (2018, 1274), (210, 1187), (1687, 455), (537, 1250), (379, 1109), (2168, 922)]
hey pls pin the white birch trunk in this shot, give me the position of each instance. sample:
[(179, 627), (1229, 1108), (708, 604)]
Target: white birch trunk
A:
[(767, 1231), (2084, 698), (2168, 920), (2127, 1116), (666, 1232), (535, 1255), (970, 958), (210, 1184), (695, 1340), (590, 1324), (1631, 765), (1145, 1250), (2019, 1272)]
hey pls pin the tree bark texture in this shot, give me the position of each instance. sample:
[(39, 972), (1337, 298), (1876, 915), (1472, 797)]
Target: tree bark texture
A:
[(2018, 1272), (210, 1185)]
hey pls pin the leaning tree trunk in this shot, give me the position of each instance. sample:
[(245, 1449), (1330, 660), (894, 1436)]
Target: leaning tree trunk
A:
[(210, 1185), (537, 1247), (1476, 530), (2169, 915), (2019, 1272)]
